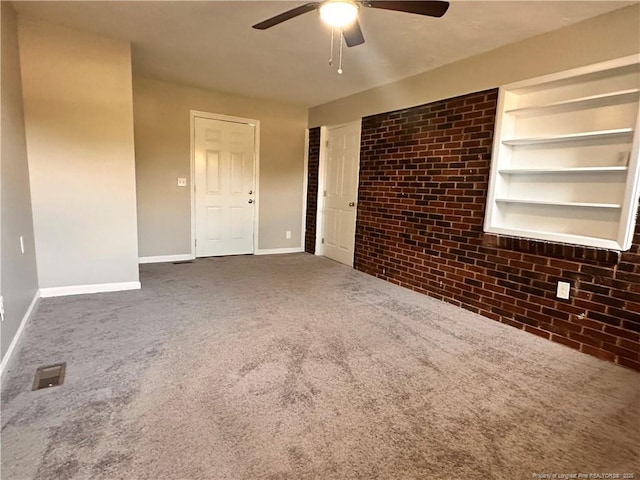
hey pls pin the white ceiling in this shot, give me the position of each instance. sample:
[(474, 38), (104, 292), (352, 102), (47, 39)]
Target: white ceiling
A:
[(211, 44)]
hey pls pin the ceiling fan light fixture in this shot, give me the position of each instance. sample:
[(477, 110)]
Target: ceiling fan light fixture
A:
[(338, 13)]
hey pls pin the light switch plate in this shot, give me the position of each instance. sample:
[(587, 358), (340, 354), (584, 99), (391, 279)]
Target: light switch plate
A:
[(182, 182)]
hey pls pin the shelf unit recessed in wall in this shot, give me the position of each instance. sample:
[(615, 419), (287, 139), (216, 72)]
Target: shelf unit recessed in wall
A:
[(570, 137), (565, 157)]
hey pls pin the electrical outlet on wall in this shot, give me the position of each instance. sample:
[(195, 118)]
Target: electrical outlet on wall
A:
[(563, 290), (288, 234)]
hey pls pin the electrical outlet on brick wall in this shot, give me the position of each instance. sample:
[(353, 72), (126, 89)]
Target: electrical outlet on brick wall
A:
[(563, 290)]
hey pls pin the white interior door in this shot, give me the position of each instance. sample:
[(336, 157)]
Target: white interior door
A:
[(341, 192), (224, 187)]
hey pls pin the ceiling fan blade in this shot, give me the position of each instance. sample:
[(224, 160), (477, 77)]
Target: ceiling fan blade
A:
[(432, 8), (353, 35), (288, 15)]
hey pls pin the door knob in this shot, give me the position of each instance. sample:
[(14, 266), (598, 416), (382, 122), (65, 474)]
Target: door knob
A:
[(250, 200), (352, 204)]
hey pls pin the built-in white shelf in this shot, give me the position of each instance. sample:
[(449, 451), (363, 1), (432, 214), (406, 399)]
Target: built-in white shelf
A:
[(565, 162), (544, 171), (552, 236), (572, 137), (592, 101), (558, 204)]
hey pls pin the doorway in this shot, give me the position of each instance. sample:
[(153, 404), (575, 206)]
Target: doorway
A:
[(339, 191), (224, 157)]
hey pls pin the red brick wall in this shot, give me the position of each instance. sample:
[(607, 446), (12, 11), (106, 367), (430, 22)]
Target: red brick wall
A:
[(423, 183), (312, 190)]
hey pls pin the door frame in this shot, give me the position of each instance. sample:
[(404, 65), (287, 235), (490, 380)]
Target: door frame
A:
[(256, 168), (322, 178)]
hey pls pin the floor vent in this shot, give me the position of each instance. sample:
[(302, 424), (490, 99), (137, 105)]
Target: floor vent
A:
[(183, 262), (49, 376)]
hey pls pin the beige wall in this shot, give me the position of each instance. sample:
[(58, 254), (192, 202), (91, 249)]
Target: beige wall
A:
[(161, 113), (613, 35), (19, 281), (79, 128)]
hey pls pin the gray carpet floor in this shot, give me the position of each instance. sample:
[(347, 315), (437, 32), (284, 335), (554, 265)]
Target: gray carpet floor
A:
[(295, 367)]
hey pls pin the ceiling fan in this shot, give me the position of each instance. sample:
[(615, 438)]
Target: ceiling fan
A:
[(343, 14)]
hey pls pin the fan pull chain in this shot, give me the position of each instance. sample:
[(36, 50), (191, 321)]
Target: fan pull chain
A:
[(331, 52), (341, 47)]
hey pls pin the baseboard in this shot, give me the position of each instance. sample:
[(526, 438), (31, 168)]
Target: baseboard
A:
[(166, 258), (16, 337), (84, 289), (278, 251)]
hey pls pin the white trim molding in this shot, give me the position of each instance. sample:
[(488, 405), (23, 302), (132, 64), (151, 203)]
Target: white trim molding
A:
[(322, 161), (279, 251), (167, 258), (86, 289), (16, 337)]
